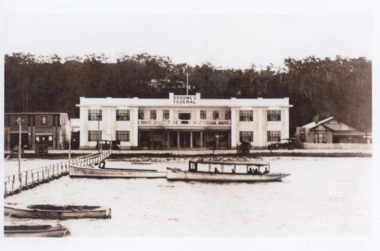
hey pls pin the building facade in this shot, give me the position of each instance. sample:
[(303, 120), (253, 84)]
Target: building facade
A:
[(51, 129), (329, 130), (183, 121)]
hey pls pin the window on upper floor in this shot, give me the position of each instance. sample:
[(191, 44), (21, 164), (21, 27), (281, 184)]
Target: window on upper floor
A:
[(227, 115), (246, 115), (166, 115), (43, 120), (153, 114), (215, 115), (94, 114), (122, 115), (274, 115), (203, 114), (141, 114)]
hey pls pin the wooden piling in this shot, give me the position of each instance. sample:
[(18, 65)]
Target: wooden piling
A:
[(20, 181), (13, 182), (26, 180)]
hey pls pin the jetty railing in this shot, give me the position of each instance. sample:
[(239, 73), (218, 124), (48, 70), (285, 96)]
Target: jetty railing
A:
[(28, 179)]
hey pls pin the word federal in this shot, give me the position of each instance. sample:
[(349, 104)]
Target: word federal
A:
[(184, 99)]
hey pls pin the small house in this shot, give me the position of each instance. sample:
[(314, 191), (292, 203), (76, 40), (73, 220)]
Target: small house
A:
[(329, 130)]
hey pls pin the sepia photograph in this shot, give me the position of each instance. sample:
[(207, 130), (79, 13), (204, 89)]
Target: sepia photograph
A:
[(189, 125)]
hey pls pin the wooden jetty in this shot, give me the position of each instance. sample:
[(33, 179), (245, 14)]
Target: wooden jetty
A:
[(28, 179)]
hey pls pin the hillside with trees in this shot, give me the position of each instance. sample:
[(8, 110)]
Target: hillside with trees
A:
[(340, 87)]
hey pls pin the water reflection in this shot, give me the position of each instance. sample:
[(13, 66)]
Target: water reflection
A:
[(321, 197)]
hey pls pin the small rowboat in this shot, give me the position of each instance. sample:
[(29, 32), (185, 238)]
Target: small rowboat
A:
[(102, 172), (215, 171), (35, 231), (56, 212)]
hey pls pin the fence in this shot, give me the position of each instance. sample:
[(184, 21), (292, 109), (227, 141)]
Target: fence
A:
[(338, 146), (29, 179)]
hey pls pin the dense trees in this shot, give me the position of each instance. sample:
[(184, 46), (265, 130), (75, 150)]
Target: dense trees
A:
[(316, 87)]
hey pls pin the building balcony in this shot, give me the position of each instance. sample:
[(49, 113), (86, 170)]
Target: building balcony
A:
[(185, 123)]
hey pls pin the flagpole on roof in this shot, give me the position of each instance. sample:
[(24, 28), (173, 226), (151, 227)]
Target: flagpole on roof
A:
[(187, 84)]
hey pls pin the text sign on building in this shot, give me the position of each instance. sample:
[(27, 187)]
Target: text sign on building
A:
[(184, 99)]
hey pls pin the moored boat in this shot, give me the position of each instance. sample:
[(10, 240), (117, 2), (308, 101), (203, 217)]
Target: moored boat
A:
[(35, 231), (101, 171), (225, 171), (56, 211)]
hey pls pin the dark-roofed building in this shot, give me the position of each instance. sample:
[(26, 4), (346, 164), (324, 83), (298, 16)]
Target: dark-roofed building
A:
[(47, 128), (329, 130)]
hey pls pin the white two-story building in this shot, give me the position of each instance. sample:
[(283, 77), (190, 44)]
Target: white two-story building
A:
[(183, 121)]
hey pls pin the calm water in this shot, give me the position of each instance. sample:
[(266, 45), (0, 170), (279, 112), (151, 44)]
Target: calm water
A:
[(322, 197)]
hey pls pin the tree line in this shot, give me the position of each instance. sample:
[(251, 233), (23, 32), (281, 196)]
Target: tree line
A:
[(318, 88)]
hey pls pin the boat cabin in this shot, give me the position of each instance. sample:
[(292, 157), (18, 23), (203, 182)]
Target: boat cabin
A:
[(234, 167)]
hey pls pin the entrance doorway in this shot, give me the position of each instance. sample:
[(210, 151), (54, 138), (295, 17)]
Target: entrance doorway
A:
[(14, 137), (185, 139)]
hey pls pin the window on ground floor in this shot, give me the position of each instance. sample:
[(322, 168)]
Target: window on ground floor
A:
[(302, 136), (94, 135), (122, 135), (320, 138), (246, 136), (273, 136), (44, 139)]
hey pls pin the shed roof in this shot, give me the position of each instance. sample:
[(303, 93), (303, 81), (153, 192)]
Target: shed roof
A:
[(313, 124)]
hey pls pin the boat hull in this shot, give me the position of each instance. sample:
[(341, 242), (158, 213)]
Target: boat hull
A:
[(35, 231), (177, 174), (21, 211), (87, 172)]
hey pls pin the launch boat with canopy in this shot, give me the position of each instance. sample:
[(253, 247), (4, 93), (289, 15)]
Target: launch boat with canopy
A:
[(225, 171)]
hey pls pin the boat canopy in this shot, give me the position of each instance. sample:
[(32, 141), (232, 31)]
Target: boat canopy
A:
[(247, 163)]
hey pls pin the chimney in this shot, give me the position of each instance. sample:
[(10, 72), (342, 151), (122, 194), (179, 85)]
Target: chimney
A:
[(316, 118)]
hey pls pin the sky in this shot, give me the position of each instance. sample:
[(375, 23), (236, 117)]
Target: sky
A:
[(226, 41)]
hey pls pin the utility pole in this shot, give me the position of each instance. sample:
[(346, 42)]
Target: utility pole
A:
[(19, 148), (70, 132), (99, 135)]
